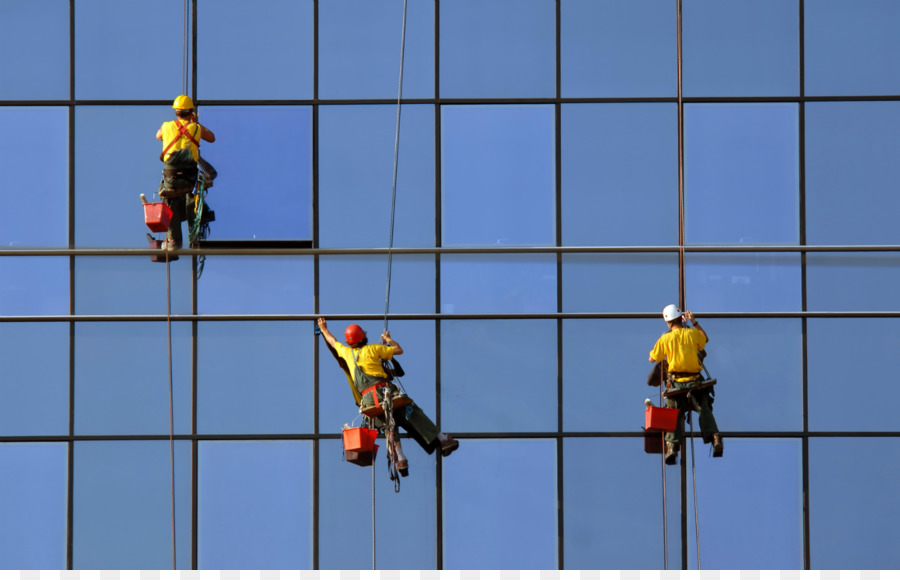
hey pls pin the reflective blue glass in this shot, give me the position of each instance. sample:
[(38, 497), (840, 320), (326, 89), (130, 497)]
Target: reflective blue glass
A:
[(478, 511), (29, 175), (850, 173), (140, 285), (742, 172), (742, 282), (619, 174), (493, 158), (405, 529), (853, 503), (605, 366), (359, 49), (34, 286), (35, 386), (498, 48), (618, 49), (516, 389), (256, 284), (254, 505), (44, 74), (123, 505), (747, 356), (336, 403), (33, 503), (264, 159), (852, 281), (254, 377), (258, 50), (356, 164), (129, 50), (612, 522), (118, 158), (742, 49), (768, 480), (122, 378), (508, 283), (851, 47), (635, 282), (343, 278), (852, 353)]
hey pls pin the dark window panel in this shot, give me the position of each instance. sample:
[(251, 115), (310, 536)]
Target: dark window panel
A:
[(44, 74), (257, 284), (131, 285), (743, 282), (358, 284), (636, 282), (498, 284), (34, 286), (852, 281)]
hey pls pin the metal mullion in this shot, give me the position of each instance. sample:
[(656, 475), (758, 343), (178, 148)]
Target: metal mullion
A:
[(316, 285), (438, 234)]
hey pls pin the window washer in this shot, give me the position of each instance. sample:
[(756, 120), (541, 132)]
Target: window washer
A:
[(680, 347), (180, 154), (363, 364)]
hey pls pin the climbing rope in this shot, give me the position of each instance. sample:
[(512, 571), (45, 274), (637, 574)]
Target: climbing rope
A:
[(662, 458), (694, 482), (171, 405)]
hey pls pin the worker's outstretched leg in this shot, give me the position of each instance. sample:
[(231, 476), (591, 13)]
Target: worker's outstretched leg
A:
[(402, 464), (708, 427), (414, 420)]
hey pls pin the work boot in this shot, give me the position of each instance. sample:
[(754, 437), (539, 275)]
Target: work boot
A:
[(671, 454), (448, 445), (718, 446)]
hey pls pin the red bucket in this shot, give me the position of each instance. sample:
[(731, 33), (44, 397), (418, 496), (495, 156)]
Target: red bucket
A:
[(359, 439), (660, 419), (157, 216)]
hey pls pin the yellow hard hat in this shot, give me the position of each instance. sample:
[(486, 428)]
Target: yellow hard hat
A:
[(183, 102)]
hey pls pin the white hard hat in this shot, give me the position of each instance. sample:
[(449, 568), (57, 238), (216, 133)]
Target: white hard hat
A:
[(671, 312)]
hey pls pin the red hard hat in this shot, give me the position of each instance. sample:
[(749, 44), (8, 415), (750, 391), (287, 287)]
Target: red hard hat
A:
[(354, 334)]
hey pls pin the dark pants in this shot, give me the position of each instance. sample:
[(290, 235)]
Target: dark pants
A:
[(698, 401), (413, 420), (182, 210), (179, 173)]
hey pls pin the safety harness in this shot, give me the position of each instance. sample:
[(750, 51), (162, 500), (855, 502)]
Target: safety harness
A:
[(182, 132)]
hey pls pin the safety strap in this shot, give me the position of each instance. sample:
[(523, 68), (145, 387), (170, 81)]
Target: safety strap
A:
[(182, 132), (374, 390)]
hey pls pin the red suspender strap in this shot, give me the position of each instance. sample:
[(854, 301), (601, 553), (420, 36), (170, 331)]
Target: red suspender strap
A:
[(182, 132), (374, 390)]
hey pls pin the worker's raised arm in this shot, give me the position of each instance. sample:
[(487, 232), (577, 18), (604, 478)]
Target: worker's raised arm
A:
[(323, 328), (690, 316), (205, 133), (386, 339)]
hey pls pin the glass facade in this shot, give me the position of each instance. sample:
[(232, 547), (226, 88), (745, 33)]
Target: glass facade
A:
[(566, 168)]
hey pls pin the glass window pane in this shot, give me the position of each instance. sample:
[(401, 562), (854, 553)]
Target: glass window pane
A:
[(33, 504), (853, 503), (615, 377), (850, 148), (628, 505), (44, 74), (493, 157), (122, 378), (619, 282), (412, 284), (109, 174), (405, 534), (34, 162), (501, 465), (356, 164), (256, 284), (128, 50), (742, 49), (34, 286), (336, 403), (742, 282), (264, 190), (508, 50), (123, 505), (258, 50), (619, 160), (741, 174), (254, 377), (618, 49), (35, 387), (515, 391), (359, 50), (508, 283), (852, 353), (271, 526), (139, 283), (850, 47), (852, 281), (768, 480)]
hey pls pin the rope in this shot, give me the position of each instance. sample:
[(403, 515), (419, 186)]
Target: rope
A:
[(662, 458), (387, 293), (171, 405), (694, 482), (184, 49), (373, 514)]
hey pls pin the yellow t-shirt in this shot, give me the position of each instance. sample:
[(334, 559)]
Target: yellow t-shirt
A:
[(679, 347), (368, 358), (170, 132)]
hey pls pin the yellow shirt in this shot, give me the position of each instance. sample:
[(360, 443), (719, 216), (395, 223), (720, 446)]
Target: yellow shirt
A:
[(679, 347), (368, 358), (170, 132)]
